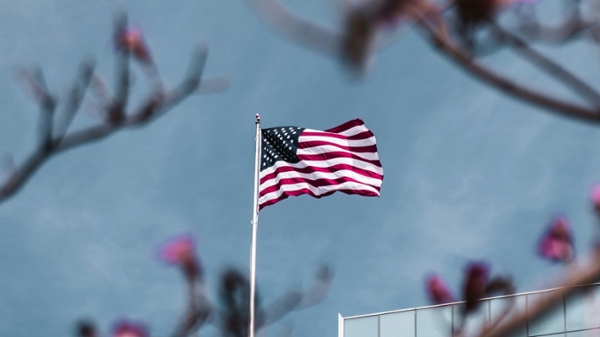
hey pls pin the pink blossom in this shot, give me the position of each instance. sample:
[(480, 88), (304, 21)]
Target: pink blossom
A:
[(132, 40), (126, 328), (557, 243), (177, 249), (180, 251), (437, 290)]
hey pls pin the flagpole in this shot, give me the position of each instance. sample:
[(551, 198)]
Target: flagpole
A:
[(254, 228)]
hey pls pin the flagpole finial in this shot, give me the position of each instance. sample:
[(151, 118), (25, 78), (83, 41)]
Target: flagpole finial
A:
[(257, 118)]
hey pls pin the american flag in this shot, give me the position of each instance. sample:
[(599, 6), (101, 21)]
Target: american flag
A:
[(303, 161)]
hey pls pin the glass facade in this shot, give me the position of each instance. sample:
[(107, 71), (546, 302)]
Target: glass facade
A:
[(577, 315)]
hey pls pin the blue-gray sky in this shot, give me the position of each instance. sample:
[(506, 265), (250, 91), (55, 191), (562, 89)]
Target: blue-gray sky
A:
[(469, 173)]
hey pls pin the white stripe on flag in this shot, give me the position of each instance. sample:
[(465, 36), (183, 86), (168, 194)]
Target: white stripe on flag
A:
[(331, 148), (343, 142), (321, 175), (316, 190)]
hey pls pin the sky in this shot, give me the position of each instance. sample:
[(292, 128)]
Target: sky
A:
[(470, 174)]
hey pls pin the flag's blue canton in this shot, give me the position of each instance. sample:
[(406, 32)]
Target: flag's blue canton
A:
[(279, 144)]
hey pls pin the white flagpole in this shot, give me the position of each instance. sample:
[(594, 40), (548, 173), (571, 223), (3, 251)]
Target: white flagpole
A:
[(254, 228)]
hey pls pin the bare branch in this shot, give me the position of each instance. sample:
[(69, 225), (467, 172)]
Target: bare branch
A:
[(299, 30), (297, 300), (574, 25), (116, 114), (157, 104), (233, 318), (213, 85), (363, 27), (76, 94), (34, 85), (551, 67), (467, 61), (199, 309), (576, 274)]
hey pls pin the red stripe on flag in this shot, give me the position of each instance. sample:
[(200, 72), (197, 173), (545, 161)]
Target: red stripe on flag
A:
[(346, 126), (313, 169), (358, 149)]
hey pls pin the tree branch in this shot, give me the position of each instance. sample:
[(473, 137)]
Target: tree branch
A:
[(304, 32), (464, 59), (551, 67), (574, 276), (159, 103)]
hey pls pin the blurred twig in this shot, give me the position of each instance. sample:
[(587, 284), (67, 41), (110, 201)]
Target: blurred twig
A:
[(575, 274), (300, 30), (572, 26), (361, 36), (467, 61), (232, 317), (54, 140), (550, 67)]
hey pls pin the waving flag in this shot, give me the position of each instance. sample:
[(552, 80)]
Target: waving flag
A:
[(303, 161)]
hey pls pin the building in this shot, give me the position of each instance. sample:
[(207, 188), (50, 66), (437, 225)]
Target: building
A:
[(577, 316)]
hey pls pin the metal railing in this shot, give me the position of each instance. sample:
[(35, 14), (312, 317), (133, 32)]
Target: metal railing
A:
[(577, 316)]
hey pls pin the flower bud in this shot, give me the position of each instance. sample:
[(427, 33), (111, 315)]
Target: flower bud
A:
[(126, 328), (557, 243), (475, 284), (438, 291), (180, 251), (132, 40)]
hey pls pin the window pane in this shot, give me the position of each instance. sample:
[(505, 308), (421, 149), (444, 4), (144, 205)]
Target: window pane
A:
[(434, 322), (575, 312), (583, 309), (588, 333), (551, 322), (361, 327), (497, 307), (475, 320), (401, 324)]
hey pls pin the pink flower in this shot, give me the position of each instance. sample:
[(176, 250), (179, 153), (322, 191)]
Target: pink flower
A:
[(177, 249), (131, 39), (126, 328), (438, 291), (180, 251), (557, 243)]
